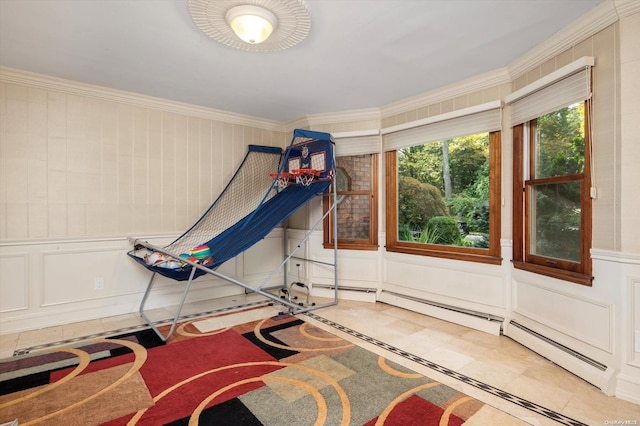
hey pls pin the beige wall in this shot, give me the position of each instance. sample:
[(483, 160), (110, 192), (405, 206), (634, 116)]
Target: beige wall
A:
[(76, 166)]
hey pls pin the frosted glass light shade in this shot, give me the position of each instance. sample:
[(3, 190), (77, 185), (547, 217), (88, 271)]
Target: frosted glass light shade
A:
[(252, 24)]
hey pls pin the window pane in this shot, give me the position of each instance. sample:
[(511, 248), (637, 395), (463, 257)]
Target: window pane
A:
[(559, 145), (353, 217), (354, 173), (443, 192), (555, 220)]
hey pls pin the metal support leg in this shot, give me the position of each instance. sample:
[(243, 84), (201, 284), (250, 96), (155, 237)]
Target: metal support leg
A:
[(176, 317)]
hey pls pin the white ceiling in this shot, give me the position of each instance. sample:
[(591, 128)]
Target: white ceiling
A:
[(359, 53)]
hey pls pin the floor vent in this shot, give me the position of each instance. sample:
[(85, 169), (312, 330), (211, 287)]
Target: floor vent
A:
[(560, 346)]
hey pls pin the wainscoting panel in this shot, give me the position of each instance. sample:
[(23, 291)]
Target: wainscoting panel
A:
[(582, 318), (260, 260), (77, 275), (464, 284), (634, 321), (14, 281)]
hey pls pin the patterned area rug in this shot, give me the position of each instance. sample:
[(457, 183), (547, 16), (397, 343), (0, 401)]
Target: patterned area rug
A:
[(274, 371)]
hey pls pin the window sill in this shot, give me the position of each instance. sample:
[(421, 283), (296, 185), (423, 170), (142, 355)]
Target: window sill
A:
[(574, 277), (352, 246), (465, 256)]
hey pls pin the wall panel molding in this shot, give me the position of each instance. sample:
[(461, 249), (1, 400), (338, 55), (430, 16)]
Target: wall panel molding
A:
[(595, 324), (14, 281)]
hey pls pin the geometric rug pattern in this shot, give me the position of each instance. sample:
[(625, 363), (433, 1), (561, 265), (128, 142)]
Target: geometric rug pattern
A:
[(529, 405), (274, 371)]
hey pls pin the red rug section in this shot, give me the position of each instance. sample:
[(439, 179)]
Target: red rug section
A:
[(416, 411), (173, 363)]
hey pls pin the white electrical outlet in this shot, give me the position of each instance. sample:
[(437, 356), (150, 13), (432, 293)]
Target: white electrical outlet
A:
[(637, 341), (98, 283)]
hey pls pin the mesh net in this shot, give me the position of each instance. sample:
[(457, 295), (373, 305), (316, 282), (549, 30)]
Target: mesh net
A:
[(243, 213), (244, 194)]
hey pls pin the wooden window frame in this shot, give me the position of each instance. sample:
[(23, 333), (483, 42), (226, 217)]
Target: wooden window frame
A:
[(491, 255), (356, 244), (579, 273)]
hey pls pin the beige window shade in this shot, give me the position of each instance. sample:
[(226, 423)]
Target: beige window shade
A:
[(564, 87), (357, 143), (481, 118)]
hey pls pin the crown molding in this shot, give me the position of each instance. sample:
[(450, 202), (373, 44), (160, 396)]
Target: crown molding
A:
[(586, 26), (464, 87), (14, 76), (627, 7), (344, 116), (298, 123)]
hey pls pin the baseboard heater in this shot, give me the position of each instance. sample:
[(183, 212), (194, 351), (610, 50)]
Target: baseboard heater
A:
[(345, 288), (560, 346), (474, 319), (477, 314), (581, 365)]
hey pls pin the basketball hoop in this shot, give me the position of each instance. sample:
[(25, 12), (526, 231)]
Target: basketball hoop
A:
[(282, 179), (305, 176)]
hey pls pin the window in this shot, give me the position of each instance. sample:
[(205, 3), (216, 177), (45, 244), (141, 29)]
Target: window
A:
[(356, 185), (552, 194), (552, 174), (443, 198)]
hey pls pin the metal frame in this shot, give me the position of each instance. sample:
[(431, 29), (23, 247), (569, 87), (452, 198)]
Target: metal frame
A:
[(293, 308)]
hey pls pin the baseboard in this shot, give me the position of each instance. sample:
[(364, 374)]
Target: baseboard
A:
[(106, 307), (628, 388), (477, 320), (594, 372)]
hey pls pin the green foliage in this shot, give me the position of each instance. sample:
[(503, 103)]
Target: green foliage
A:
[(472, 205), (447, 230), (557, 222), (418, 202), (560, 142), (423, 163), (422, 175), (560, 146), (467, 155)]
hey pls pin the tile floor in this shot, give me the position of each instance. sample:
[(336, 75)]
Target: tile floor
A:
[(436, 346)]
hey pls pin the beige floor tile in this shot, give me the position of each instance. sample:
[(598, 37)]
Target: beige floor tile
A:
[(593, 407), (488, 415), (494, 374), (43, 336), (448, 357), (417, 343), (121, 321), (8, 343), (539, 392), (81, 329)]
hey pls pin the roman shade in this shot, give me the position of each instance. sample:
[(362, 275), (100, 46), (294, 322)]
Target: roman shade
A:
[(566, 86), (358, 142), (485, 117)]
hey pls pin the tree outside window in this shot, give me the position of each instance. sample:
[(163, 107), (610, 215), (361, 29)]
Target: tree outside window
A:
[(447, 198)]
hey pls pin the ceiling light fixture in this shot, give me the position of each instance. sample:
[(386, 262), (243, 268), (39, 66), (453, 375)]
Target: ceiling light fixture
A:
[(284, 23), (253, 24)]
